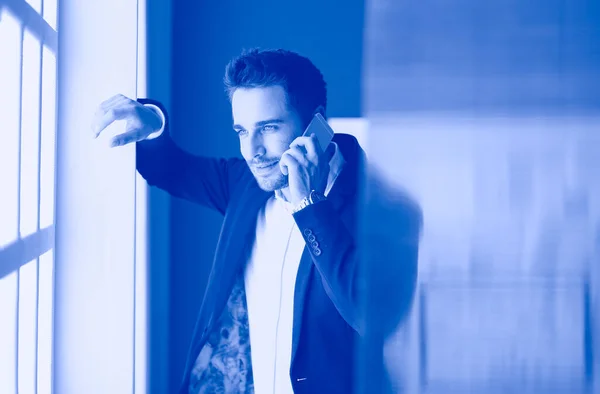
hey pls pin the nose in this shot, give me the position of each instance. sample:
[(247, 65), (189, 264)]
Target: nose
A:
[(256, 146)]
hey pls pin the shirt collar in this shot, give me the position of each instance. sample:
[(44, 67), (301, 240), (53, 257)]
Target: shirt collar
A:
[(335, 167)]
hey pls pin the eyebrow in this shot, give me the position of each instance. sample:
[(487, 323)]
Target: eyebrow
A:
[(261, 123)]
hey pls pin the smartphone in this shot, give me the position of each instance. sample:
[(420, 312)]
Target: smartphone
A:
[(322, 130)]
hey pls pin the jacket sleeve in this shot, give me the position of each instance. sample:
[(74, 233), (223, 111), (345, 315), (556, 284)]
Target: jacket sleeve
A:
[(372, 285), (202, 180)]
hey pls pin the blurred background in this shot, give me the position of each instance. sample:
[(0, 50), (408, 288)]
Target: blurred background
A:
[(485, 112), (488, 113)]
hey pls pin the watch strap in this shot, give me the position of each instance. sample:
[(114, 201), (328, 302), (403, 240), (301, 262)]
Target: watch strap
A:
[(312, 198)]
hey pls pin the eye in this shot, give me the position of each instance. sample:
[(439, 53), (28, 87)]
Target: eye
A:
[(269, 127), (240, 132)]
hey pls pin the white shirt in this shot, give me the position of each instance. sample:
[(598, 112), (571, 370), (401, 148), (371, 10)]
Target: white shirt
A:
[(270, 280)]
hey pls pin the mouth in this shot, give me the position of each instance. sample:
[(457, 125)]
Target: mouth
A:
[(265, 168)]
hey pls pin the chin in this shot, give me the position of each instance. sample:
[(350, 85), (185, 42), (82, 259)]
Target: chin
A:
[(272, 183)]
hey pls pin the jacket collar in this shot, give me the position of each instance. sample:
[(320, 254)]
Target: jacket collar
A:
[(355, 159)]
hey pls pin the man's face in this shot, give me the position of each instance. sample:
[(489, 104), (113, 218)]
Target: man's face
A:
[(266, 126)]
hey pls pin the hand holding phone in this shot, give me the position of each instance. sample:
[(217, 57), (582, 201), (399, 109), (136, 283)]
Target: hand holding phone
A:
[(315, 172), (321, 129)]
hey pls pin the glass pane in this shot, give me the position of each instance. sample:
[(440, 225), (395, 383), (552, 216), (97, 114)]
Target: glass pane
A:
[(50, 12), (10, 71), (27, 326), (45, 311), (8, 337), (30, 122), (48, 147), (36, 5)]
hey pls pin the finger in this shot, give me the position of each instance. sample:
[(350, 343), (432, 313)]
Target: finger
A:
[(286, 162), (114, 99), (105, 118), (300, 155), (310, 145), (126, 138)]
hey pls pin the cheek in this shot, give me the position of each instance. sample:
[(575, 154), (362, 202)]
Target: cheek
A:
[(276, 146), (244, 149), (248, 151)]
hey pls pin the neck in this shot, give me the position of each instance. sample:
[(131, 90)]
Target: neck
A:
[(285, 192)]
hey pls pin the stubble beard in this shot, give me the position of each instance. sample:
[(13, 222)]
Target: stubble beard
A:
[(272, 182)]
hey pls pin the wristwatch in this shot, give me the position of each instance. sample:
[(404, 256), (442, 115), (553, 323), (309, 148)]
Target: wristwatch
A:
[(312, 198)]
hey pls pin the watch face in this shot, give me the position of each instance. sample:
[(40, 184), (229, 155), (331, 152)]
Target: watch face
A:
[(315, 196)]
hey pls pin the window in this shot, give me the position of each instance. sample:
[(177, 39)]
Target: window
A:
[(28, 48)]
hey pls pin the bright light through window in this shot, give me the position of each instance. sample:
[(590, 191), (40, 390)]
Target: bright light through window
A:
[(36, 5), (50, 11), (8, 333), (44, 334), (30, 122), (27, 327), (10, 71), (27, 176), (48, 139)]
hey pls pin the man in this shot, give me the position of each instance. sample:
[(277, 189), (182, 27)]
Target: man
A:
[(290, 304)]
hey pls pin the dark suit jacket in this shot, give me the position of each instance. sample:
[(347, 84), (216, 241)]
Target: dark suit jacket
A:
[(339, 303)]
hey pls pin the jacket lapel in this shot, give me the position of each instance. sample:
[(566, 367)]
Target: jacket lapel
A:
[(235, 245)]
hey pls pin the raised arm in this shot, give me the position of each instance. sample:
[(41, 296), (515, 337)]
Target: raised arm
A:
[(203, 180)]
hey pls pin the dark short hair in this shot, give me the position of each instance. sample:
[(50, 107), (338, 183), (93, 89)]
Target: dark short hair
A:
[(302, 81)]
